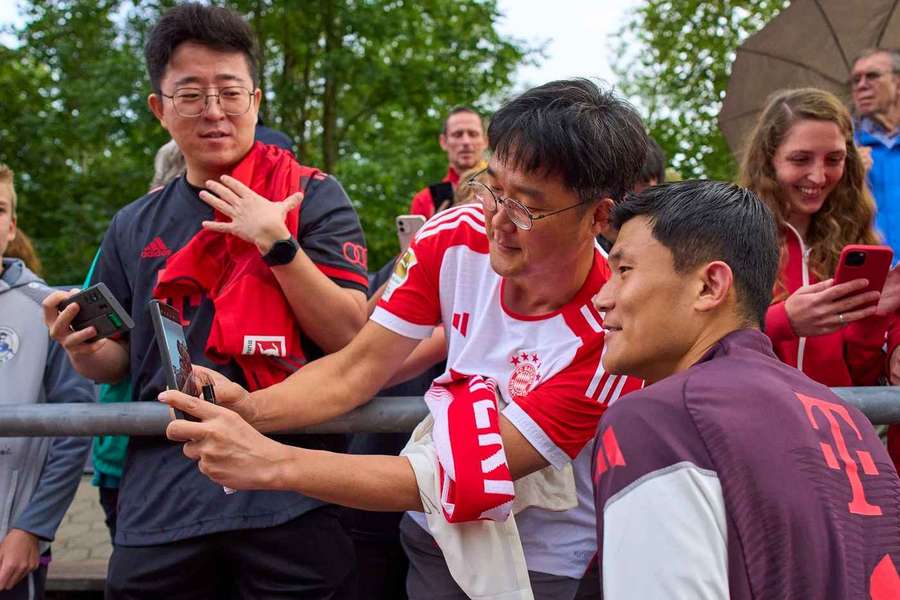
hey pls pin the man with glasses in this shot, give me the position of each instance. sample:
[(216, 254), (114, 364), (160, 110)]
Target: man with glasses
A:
[(875, 87), (511, 280), (301, 295)]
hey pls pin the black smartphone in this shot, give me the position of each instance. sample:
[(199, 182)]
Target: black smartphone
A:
[(173, 350), (99, 308), (440, 192)]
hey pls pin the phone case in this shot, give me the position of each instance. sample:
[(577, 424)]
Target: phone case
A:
[(875, 265), (101, 309), (407, 228)]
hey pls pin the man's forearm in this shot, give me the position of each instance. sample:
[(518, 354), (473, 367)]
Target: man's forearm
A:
[(330, 315), (333, 385), (381, 483)]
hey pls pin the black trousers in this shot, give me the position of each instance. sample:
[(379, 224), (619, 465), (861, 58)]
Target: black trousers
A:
[(310, 557)]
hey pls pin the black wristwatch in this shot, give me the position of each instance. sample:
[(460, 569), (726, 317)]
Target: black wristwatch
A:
[(281, 253)]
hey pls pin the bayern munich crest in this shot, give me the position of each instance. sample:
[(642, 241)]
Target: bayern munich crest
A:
[(526, 373), (9, 344)]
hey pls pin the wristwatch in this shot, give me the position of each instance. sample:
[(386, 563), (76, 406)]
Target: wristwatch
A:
[(282, 252)]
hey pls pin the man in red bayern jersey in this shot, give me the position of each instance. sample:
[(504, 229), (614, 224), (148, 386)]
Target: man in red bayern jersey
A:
[(511, 279)]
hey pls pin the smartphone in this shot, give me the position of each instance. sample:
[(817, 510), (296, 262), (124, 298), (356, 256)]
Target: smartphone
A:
[(100, 309), (407, 227), (173, 350), (864, 262)]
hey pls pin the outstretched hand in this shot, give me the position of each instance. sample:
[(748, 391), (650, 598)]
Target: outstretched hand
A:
[(254, 219), (825, 307), (227, 449)]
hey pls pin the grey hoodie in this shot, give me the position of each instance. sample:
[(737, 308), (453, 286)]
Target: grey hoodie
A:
[(38, 476)]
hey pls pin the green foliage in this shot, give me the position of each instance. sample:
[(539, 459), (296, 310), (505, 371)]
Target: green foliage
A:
[(360, 85), (675, 59)]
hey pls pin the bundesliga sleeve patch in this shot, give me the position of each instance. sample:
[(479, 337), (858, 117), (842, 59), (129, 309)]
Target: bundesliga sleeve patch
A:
[(400, 274)]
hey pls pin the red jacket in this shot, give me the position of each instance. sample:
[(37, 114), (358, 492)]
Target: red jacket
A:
[(423, 203), (852, 356)]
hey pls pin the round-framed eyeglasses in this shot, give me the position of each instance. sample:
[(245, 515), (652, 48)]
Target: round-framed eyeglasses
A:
[(520, 214), (190, 102)]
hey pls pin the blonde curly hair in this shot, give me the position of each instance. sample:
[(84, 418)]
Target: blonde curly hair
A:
[(848, 213)]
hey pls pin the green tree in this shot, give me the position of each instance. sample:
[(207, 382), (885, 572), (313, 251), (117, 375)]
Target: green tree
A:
[(361, 85), (675, 59)]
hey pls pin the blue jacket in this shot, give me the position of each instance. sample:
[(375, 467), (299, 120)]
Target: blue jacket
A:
[(884, 181)]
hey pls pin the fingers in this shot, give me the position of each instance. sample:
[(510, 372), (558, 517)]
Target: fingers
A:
[(218, 226), (193, 406), (217, 203), (179, 430), (815, 287), (856, 315), (292, 202), (214, 376), (854, 302), (231, 193), (58, 321), (847, 288), (234, 187)]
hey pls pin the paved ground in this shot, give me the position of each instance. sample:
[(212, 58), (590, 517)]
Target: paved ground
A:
[(82, 534)]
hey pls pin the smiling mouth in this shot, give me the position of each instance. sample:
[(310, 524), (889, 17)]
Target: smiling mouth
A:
[(607, 329)]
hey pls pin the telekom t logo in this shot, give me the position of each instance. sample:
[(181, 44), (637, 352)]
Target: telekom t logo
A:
[(858, 504)]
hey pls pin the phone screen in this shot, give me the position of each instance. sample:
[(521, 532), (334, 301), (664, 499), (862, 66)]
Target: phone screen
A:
[(177, 354)]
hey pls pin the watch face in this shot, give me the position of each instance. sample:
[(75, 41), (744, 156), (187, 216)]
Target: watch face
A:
[(282, 252)]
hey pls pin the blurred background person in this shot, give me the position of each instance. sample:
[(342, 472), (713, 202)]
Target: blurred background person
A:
[(801, 160), (464, 140), (875, 88)]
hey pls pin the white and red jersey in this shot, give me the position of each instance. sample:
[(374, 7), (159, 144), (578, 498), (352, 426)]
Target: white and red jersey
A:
[(547, 367)]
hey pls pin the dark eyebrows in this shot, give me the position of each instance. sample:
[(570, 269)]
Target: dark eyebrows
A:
[(193, 79)]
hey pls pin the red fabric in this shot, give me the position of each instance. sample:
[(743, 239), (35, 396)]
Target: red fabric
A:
[(253, 323), (475, 479), (423, 203), (850, 356)]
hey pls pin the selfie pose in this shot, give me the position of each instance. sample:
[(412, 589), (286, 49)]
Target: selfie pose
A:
[(802, 162)]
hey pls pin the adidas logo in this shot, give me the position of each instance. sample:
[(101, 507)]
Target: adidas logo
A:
[(155, 249)]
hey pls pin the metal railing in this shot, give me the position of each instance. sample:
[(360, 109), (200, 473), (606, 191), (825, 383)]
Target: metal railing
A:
[(881, 405)]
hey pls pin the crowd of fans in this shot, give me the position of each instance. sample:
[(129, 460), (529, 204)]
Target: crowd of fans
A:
[(627, 379)]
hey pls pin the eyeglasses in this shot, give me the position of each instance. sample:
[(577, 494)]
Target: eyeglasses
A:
[(520, 214), (191, 102), (856, 78)]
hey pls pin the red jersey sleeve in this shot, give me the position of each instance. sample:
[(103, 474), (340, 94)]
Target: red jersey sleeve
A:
[(411, 304), (422, 204)]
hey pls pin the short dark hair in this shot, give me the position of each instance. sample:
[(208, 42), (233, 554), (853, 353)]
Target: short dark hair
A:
[(461, 109), (215, 27), (594, 141), (654, 168), (703, 221)]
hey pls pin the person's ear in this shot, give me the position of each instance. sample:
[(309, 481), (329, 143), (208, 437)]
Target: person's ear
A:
[(156, 107), (443, 141), (716, 282), (600, 215)]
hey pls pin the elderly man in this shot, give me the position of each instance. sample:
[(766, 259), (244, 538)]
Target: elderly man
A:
[(731, 475), (875, 87)]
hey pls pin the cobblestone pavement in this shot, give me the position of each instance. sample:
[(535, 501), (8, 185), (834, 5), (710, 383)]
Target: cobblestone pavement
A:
[(82, 534)]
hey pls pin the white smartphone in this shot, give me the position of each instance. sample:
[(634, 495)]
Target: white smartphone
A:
[(407, 227)]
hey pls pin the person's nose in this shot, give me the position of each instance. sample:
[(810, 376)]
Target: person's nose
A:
[(604, 300), (817, 174), (213, 109), (501, 219)]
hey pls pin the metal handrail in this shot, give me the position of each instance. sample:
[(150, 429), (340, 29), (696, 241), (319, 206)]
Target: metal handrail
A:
[(383, 414)]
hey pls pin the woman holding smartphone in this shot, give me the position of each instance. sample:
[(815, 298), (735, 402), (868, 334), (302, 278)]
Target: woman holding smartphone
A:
[(801, 160)]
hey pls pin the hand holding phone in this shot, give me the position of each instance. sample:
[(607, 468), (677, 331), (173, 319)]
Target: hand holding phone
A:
[(871, 263), (98, 308), (174, 352)]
